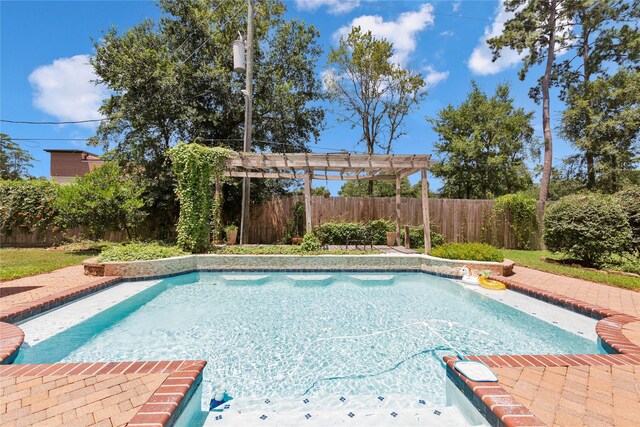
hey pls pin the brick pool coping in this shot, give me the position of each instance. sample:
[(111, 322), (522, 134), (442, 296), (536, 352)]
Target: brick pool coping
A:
[(11, 338), (495, 403), (33, 308), (163, 406)]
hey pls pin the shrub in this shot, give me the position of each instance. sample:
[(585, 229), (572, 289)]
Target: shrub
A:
[(468, 251), (416, 237), (310, 243), (27, 206), (139, 252), (103, 199), (296, 225), (378, 229), (588, 227), (520, 211), (629, 200), (337, 233), (85, 245)]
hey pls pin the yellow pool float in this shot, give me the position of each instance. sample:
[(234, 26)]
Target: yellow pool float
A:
[(487, 283)]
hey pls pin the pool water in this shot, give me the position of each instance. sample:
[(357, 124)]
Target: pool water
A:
[(282, 335)]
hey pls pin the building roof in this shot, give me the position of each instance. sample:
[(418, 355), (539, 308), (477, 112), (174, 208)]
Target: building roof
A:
[(55, 150)]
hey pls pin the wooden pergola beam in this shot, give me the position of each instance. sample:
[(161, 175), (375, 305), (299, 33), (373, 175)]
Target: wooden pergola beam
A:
[(301, 175), (331, 162)]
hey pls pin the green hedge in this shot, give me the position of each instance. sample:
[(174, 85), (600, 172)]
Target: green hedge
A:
[(416, 238), (139, 252), (337, 233), (27, 206), (587, 227), (629, 200), (520, 210), (468, 252)]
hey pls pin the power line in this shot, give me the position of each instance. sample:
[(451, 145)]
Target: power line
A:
[(263, 141), (27, 122)]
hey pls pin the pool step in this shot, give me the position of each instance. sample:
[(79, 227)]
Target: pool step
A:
[(335, 410), (446, 416)]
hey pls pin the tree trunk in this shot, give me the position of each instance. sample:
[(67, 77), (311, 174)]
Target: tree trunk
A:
[(591, 172), (546, 121)]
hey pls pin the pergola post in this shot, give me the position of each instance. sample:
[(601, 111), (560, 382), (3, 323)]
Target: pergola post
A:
[(425, 211), (218, 200), (398, 205), (307, 198)]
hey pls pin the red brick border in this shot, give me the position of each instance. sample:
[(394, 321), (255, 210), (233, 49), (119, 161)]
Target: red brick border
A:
[(503, 408), (497, 405), (38, 306), (11, 338), (162, 407), (610, 322), (501, 405)]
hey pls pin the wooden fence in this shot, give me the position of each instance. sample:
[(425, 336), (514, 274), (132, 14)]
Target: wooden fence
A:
[(457, 220), (19, 239)]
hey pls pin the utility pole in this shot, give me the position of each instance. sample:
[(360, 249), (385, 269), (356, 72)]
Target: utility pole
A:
[(248, 111)]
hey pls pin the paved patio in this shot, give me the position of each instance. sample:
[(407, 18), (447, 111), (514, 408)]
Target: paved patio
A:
[(100, 394), (618, 299), (35, 287)]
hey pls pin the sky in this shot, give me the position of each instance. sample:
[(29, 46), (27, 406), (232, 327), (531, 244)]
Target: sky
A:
[(45, 47)]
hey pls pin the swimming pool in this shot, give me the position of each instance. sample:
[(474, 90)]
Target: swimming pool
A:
[(309, 336)]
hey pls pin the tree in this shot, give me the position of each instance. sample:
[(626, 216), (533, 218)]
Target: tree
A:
[(603, 120), (380, 189), (539, 29), (321, 191), (606, 36), (483, 144), (173, 80), (104, 199), (373, 94), (14, 161)]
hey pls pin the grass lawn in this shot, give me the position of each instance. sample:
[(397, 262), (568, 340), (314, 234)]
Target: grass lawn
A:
[(17, 263), (533, 259)]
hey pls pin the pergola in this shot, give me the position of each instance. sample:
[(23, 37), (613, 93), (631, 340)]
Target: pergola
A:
[(336, 166)]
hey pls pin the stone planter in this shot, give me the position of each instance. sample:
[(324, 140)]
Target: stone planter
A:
[(232, 236), (391, 238)]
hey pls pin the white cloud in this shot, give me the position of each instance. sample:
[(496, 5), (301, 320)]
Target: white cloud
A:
[(434, 77), (402, 32), (456, 6), (480, 61), (334, 6), (64, 89), (447, 33)]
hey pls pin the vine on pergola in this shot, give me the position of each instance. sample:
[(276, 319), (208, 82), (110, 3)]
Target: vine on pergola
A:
[(196, 167)]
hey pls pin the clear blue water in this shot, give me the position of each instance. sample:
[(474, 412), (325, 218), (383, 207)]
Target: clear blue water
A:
[(281, 337)]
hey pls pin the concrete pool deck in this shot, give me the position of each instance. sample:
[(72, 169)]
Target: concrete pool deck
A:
[(539, 390)]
